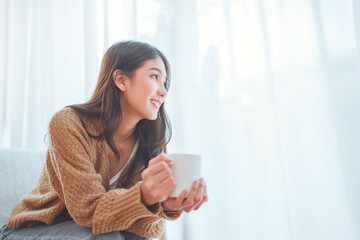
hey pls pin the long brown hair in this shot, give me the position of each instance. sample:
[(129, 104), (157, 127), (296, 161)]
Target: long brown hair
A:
[(104, 104)]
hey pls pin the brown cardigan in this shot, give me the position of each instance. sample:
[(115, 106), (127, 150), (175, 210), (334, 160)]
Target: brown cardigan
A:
[(74, 184)]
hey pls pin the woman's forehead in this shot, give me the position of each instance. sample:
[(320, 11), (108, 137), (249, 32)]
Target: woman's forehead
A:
[(155, 64)]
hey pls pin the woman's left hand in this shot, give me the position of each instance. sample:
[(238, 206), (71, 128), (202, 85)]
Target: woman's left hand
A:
[(195, 199)]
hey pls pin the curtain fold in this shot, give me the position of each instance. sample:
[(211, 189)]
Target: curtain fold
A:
[(267, 92)]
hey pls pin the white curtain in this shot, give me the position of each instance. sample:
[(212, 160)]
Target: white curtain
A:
[(267, 91)]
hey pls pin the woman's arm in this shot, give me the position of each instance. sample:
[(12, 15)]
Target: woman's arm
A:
[(147, 224), (73, 177), (169, 215)]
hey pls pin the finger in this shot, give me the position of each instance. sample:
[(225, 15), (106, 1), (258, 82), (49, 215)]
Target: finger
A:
[(165, 191), (176, 202), (164, 184), (200, 193), (205, 194), (169, 189), (163, 175), (166, 187), (186, 209), (181, 198), (199, 205), (161, 192), (190, 199), (155, 169), (200, 197), (160, 158)]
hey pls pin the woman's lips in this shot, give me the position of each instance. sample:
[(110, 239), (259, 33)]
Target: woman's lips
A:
[(153, 102), (154, 105)]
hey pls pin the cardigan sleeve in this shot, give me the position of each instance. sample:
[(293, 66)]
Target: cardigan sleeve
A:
[(169, 215), (73, 177), (147, 224), (154, 223)]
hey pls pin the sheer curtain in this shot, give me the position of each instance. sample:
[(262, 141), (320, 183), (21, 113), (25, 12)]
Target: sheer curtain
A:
[(267, 92)]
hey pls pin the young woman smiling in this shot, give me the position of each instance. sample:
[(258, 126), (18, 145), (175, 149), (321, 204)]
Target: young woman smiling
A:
[(106, 174)]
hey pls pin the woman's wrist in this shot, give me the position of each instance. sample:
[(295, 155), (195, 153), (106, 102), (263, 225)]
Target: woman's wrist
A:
[(164, 207), (144, 200)]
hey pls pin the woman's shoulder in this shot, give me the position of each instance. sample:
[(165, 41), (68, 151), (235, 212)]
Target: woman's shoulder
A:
[(70, 118), (65, 116)]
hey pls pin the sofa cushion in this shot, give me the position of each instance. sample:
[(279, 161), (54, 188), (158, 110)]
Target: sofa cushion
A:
[(19, 171)]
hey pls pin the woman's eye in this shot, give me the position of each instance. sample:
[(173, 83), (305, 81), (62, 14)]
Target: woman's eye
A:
[(157, 76)]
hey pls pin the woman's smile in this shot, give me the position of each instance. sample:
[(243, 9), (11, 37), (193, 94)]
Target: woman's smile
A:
[(155, 103)]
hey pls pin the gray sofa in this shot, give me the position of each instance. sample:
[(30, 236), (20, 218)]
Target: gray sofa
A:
[(19, 171)]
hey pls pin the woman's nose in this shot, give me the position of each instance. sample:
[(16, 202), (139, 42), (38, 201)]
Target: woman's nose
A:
[(162, 91)]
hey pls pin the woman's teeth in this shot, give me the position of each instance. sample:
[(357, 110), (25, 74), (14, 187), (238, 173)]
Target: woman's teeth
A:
[(156, 103)]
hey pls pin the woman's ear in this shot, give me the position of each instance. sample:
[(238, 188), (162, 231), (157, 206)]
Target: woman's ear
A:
[(120, 80)]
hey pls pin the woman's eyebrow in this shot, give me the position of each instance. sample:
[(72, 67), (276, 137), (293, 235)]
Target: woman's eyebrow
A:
[(157, 69)]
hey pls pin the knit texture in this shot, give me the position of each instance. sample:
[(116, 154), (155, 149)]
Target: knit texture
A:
[(74, 184)]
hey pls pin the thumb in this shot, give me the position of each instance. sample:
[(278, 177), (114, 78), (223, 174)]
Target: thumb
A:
[(167, 159), (161, 157)]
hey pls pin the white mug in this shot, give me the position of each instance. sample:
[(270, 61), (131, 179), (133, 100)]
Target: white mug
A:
[(186, 168)]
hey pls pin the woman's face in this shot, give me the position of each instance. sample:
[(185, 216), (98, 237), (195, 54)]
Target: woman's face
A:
[(145, 91)]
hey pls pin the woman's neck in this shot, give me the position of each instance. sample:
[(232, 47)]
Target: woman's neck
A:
[(125, 131)]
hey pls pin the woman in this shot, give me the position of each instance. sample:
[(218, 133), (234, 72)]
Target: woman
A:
[(105, 175)]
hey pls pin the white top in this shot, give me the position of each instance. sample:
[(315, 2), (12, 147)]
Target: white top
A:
[(114, 179)]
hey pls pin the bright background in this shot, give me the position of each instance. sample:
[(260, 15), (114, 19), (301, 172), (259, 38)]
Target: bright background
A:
[(267, 91)]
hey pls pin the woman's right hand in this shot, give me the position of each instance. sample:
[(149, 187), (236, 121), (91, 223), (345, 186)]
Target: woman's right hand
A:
[(158, 181)]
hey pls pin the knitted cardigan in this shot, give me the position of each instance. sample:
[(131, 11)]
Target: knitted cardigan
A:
[(74, 184)]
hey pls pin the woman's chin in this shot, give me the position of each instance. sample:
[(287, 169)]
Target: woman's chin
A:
[(152, 117)]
